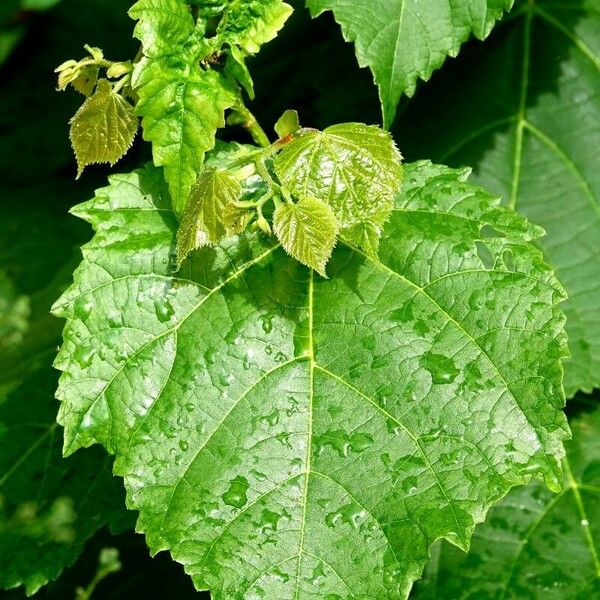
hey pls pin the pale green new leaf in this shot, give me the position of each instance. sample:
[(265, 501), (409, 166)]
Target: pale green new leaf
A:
[(103, 129), (532, 133), (534, 544), (287, 124), (307, 231), (365, 236), (203, 222), (402, 41), (182, 104), (293, 437), (354, 168), (249, 24)]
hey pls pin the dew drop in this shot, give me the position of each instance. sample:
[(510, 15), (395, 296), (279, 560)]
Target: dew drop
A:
[(236, 494), (442, 368)]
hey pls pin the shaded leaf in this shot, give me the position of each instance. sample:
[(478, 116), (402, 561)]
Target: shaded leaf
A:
[(103, 129), (203, 222), (404, 41), (354, 168), (307, 230), (534, 544), (248, 403), (532, 133)]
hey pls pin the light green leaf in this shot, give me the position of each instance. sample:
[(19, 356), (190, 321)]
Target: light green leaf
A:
[(287, 124), (103, 129), (365, 236), (275, 429), (354, 168), (182, 105), (236, 219), (235, 67), (203, 222), (402, 41), (534, 544), (307, 231), (532, 135), (249, 24)]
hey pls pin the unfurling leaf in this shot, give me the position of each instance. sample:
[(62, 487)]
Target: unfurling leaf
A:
[(287, 124), (82, 78), (307, 230), (203, 222), (355, 168), (275, 429), (236, 68), (249, 24), (103, 129)]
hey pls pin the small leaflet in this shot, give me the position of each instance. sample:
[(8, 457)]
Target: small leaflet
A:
[(103, 129), (203, 222), (307, 230)]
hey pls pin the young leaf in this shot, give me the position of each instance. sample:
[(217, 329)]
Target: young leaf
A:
[(307, 230), (364, 236), (534, 544), (203, 222), (355, 168), (181, 104), (402, 41), (249, 24), (532, 134), (287, 124), (103, 129), (236, 219), (248, 405)]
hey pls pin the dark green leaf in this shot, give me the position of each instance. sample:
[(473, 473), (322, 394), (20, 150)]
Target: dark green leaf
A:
[(534, 544), (402, 41), (286, 436), (532, 134)]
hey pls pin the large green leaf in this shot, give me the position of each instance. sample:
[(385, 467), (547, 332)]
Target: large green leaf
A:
[(532, 133), (288, 436), (534, 544), (402, 41), (182, 105)]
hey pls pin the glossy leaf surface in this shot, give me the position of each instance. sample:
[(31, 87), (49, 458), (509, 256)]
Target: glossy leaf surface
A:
[(354, 168), (248, 401), (532, 134), (534, 544)]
